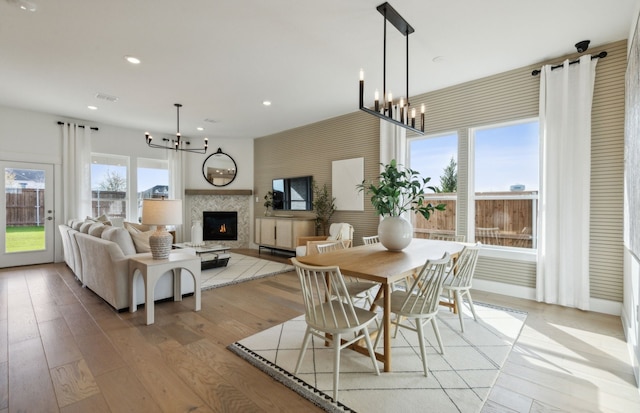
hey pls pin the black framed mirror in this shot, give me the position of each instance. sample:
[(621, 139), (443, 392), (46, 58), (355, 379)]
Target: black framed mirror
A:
[(219, 169)]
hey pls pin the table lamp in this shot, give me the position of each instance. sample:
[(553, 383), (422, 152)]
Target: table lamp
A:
[(161, 212)]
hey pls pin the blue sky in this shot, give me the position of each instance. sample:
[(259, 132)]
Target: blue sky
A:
[(147, 177), (505, 156)]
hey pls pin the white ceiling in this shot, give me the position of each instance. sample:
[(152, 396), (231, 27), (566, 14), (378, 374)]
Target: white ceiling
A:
[(221, 59)]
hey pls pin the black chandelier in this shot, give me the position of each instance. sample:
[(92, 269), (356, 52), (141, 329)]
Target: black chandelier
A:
[(400, 113), (177, 143)]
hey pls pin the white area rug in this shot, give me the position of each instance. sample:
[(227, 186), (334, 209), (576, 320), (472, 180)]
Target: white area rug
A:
[(458, 381), (241, 268)]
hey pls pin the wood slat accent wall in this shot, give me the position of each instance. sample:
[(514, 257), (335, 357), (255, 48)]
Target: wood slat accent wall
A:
[(504, 97), (309, 150)]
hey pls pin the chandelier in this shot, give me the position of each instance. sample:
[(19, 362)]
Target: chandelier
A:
[(400, 113), (176, 143)]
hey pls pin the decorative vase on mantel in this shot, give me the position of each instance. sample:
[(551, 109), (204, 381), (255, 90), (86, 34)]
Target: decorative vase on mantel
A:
[(196, 234), (395, 233)]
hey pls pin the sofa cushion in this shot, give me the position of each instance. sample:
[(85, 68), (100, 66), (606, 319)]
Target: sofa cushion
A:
[(96, 229), (121, 237), (140, 239), (84, 228), (138, 227)]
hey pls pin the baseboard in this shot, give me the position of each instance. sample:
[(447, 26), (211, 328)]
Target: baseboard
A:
[(595, 304)]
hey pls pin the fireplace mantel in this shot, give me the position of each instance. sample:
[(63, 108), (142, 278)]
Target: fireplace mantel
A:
[(218, 192)]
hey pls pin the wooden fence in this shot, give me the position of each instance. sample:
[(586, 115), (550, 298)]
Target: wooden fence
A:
[(501, 218), (25, 207)]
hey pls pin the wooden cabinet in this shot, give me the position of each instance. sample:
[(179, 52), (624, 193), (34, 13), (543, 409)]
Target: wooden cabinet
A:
[(282, 233)]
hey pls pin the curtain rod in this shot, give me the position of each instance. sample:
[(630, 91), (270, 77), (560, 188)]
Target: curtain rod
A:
[(80, 126), (600, 55)]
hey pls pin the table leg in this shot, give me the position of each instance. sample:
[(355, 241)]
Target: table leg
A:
[(387, 326), (132, 291), (177, 281), (149, 305)]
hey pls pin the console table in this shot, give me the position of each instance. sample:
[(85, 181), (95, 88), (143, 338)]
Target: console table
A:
[(282, 233), (151, 270)]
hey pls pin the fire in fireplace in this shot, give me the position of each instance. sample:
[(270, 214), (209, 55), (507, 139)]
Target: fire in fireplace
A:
[(220, 226)]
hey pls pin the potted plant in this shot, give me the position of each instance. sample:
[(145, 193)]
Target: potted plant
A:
[(268, 202), (324, 206), (398, 191)]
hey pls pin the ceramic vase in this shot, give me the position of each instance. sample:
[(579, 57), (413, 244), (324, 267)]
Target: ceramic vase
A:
[(395, 233), (196, 233)]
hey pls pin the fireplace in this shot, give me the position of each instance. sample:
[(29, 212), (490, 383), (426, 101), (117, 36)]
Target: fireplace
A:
[(220, 226)]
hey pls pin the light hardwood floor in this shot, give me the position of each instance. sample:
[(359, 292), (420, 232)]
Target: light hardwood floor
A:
[(62, 349)]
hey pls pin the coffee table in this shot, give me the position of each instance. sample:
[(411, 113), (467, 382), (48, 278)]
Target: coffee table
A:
[(211, 255)]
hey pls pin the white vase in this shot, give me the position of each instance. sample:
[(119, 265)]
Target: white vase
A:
[(395, 233), (196, 233)]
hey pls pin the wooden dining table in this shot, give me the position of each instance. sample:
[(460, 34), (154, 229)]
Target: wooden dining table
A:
[(375, 263)]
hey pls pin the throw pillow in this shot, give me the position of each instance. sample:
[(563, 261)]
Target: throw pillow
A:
[(140, 239), (96, 229), (139, 227), (121, 237)]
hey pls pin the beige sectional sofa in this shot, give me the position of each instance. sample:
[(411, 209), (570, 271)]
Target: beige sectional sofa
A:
[(98, 255)]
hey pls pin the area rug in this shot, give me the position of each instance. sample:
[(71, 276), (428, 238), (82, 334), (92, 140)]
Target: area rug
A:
[(458, 381), (241, 268)]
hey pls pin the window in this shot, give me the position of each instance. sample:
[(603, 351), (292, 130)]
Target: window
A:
[(506, 183), (109, 185), (152, 180), (436, 157)]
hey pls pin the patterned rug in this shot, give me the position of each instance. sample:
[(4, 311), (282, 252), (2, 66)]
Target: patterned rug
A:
[(241, 268), (458, 381)]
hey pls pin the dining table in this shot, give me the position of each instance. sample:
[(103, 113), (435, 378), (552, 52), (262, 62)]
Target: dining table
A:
[(376, 263)]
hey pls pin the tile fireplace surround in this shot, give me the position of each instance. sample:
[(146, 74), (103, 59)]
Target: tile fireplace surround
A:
[(196, 204)]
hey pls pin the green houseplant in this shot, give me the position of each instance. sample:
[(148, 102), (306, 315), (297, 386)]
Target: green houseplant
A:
[(397, 191), (324, 206)]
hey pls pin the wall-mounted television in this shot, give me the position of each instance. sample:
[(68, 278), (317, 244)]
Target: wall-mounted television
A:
[(293, 194)]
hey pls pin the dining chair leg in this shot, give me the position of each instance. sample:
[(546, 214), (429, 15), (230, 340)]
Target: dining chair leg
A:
[(458, 298), (423, 351), (305, 344), (379, 334), (434, 323), (336, 365), (367, 340), (473, 310)]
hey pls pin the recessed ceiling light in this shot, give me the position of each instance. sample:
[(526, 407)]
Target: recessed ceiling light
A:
[(266, 102), (132, 60), (200, 128), (92, 107)]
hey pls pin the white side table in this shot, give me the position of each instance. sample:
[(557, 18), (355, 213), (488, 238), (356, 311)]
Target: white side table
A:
[(151, 270)]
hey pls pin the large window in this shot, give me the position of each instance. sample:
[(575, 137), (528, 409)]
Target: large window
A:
[(436, 157), (506, 184), (109, 184), (152, 180)]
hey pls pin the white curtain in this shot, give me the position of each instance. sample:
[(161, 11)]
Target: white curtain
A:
[(76, 171), (565, 135), (176, 188)]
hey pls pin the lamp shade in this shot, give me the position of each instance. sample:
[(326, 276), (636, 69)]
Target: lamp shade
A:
[(162, 211)]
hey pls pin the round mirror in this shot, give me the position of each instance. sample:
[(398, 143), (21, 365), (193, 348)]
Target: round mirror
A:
[(219, 169)]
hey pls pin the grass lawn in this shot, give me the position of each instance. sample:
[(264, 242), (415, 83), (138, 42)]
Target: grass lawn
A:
[(24, 239)]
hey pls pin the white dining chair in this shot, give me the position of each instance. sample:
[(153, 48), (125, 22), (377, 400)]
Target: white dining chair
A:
[(336, 316), (459, 280), (373, 239), (420, 304), (358, 289)]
